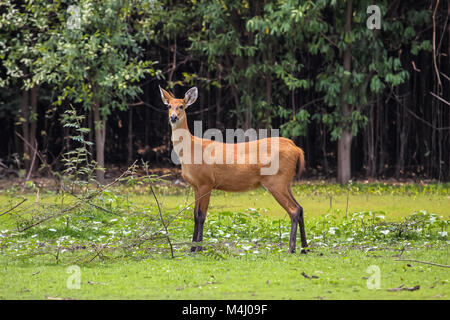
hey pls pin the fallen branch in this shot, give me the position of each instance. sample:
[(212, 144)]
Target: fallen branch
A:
[(24, 199), (403, 288), (51, 217), (309, 277), (425, 262), (92, 204), (80, 202)]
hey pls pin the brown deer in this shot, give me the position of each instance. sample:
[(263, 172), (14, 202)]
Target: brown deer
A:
[(235, 175)]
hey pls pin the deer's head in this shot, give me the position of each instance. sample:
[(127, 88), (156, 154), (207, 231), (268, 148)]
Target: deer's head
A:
[(177, 107)]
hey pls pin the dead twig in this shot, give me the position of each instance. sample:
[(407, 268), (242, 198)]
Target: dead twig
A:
[(92, 204), (32, 163), (309, 277), (51, 217), (98, 253), (39, 155), (439, 98), (425, 262), (80, 202), (425, 121), (119, 178), (403, 288), (24, 199), (445, 76)]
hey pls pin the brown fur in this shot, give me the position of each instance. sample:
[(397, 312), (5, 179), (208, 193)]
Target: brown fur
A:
[(237, 177)]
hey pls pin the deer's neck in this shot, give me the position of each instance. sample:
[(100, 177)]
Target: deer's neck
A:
[(181, 136)]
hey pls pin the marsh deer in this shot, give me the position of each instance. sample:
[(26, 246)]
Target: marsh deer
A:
[(222, 167)]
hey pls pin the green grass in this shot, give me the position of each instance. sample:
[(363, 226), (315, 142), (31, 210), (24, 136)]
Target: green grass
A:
[(342, 274), (395, 206), (122, 253)]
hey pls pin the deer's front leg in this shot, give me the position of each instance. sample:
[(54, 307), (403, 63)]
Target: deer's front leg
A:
[(202, 197)]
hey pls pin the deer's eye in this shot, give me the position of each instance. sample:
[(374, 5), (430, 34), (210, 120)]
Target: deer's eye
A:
[(180, 107)]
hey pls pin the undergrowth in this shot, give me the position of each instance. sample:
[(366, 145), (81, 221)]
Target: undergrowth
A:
[(105, 224)]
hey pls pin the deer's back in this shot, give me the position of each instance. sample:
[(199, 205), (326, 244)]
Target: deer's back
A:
[(242, 171)]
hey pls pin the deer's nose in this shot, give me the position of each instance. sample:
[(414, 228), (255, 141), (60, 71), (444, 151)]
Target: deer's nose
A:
[(173, 118)]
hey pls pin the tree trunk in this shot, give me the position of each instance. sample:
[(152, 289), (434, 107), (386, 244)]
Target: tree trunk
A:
[(26, 129), (91, 130), (100, 134), (345, 141), (33, 124), (371, 162), (402, 133), (323, 139), (344, 157), (130, 136)]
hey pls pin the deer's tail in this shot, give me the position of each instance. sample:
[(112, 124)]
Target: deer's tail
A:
[(300, 162)]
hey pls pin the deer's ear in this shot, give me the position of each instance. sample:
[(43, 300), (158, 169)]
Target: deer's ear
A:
[(190, 96), (165, 96)]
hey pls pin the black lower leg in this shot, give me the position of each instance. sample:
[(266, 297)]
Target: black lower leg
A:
[(198, 230), (301, 223), (194, 237), (293, 236)]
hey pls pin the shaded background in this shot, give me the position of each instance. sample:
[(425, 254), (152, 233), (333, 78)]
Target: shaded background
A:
[(257, 64)]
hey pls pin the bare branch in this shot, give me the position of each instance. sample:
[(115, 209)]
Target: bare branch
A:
[(439, 98), (24, 199), (425, 262)]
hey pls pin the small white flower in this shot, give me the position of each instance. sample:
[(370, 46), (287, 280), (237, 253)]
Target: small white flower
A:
[(52, 230), (385, 232), (443, 233)]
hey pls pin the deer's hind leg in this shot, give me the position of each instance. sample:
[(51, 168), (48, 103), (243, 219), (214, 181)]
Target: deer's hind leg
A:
[(281, 193), (301, 223)]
